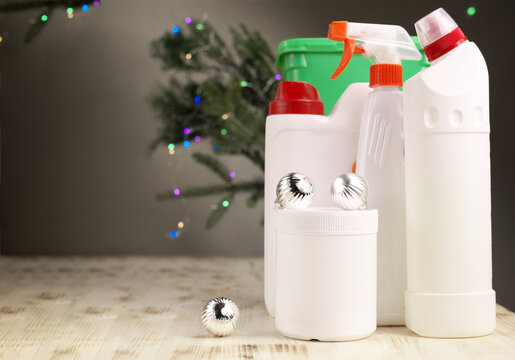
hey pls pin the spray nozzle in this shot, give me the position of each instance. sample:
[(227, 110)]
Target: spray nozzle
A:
[(388, 44)]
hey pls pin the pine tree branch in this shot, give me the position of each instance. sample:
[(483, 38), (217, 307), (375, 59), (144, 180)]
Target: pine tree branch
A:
[(235, 84), (253, 199), (255, 156), (220, 210), (199, 191), (12, 6), (36, 28), (214, 164)]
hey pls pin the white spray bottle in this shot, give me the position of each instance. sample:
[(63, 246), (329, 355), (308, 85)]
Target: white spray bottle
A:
[(380, 155), (449, 244)]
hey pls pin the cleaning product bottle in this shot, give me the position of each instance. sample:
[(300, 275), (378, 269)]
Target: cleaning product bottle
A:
[(299, 138), (380, 154), (448, 219)]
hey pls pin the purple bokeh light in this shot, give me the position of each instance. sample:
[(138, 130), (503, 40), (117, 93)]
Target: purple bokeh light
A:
[(278, 77), (96, 3), (187, 20), (176, 192), (197, 138), (232, 174), (186, 131)]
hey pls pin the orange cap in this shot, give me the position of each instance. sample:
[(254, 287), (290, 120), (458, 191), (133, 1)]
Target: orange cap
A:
[(386, 74)]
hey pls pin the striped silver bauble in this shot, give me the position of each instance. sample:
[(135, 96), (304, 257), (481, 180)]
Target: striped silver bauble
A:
[(294, 191), (350, 192), (220, 316)]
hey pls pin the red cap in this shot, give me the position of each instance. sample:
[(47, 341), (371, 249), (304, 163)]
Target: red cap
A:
[(386, 74), (296, 97), (445, 44)]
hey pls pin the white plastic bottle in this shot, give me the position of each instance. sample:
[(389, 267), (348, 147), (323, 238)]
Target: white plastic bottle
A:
[(299, 138), (380, 155), (448, 186), (381, 163)]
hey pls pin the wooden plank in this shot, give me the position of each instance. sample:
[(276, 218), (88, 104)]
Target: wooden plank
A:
[(149, 308)]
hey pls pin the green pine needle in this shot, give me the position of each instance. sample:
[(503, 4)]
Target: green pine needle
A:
[(217, 214), (214, 165)]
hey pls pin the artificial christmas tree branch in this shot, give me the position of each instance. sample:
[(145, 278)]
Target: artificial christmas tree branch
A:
[(11, 6), (214, 165), (199, 191), (46, 7), (219, 93)]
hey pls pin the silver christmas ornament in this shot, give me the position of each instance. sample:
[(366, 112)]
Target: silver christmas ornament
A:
[(294, 191), (220, 316), (350, 192)]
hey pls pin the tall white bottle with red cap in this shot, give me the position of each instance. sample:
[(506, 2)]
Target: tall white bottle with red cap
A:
[(299, 138), (448, 186), (380, 156)]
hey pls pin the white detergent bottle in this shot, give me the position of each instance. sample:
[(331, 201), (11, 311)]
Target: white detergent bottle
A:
[(448, 187), (380, 154), (299, 138)]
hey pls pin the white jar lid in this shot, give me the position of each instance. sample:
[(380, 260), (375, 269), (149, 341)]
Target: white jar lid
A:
[(326, 220)]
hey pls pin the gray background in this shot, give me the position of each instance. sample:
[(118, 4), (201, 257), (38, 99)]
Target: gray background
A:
[(76, 173)]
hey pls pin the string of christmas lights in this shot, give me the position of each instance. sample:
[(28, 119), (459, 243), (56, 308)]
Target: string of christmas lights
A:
[(70, 11)]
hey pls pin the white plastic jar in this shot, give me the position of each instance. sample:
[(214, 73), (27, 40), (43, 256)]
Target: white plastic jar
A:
[(326, 273)]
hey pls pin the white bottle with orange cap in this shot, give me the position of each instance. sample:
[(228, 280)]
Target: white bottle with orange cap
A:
[(380, 155), (448, 186)]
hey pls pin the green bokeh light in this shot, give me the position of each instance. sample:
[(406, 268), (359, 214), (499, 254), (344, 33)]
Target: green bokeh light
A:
[(200, 27), (223, 132), (244, 83), (171, 146), (44, 18), (225, 203), (69, 10), (471, 10)]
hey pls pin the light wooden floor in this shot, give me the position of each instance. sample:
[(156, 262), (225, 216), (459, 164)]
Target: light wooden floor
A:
[(149, 308)]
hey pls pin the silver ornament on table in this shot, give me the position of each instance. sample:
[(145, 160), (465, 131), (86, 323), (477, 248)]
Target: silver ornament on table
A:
[(350, 192), (294, 191), (220, 316)]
